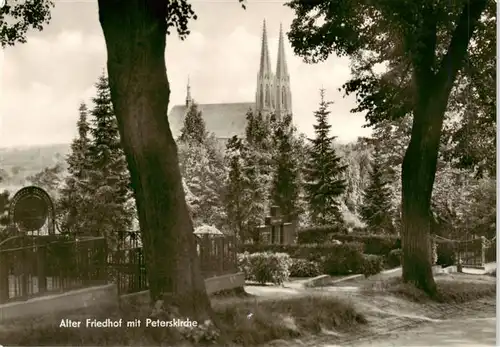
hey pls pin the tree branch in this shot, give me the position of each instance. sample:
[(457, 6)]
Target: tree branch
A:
[(451, 62)]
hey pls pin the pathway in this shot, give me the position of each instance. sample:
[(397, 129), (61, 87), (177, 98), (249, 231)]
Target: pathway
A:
[(477, 332)]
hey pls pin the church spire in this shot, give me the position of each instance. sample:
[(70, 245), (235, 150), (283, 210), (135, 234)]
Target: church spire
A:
[(283, 93), (281, 66), (189, 100), (264, 98), (265, 62)]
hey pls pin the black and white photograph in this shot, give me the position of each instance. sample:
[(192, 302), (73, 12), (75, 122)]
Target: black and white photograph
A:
[(248, 173)]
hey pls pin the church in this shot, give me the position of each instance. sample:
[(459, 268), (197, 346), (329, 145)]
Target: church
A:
[(273, 95)]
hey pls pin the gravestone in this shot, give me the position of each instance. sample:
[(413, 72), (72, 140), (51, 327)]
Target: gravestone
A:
[(275, 231), (31, 209)]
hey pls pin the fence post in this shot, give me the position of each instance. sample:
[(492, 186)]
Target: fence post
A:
[(483, 250), (41, 264), (220, 255), (25, 251), (4, 277)]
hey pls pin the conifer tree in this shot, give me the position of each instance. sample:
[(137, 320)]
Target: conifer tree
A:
[(109, 182), (376, 208), (194, 129), (237, 198), (4, 209), (257, 157), (285, 181), (73, 198), (323, 172), (203, 169), (248, 179)]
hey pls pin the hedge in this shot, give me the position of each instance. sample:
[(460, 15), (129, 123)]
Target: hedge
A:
[(265, 267), (311, 252), (372, 244), (305, 268), (272, 262)]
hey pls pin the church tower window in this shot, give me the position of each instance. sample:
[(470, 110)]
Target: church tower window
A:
[(268, 97)]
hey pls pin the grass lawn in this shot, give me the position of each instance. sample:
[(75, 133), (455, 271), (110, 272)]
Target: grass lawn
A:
[(242, 322), (453, 289)]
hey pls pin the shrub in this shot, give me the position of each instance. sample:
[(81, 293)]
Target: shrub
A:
[(311, 252), (394, 258), (372, 264), (304, 268), (319, 234), (265, 267), (445, 254), (372, 244), (349, 262), (491, 253)]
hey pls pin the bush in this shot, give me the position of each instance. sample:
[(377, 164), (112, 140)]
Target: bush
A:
[(445, 254), (265, 267), (372, 264), (491, 253), (372, 244), (318, 234), (349, 262), (311, 252), (394, 258), (304, 268)]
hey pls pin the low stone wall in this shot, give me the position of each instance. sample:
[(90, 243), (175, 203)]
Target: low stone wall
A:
[(213, 285), (99, 296)]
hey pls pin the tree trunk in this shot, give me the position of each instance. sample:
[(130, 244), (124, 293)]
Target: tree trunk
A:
[(135, 35), (432, 91), (419, 169)]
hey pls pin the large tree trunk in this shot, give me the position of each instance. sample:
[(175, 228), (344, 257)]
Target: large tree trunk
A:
[(432, 91), (135, 35)]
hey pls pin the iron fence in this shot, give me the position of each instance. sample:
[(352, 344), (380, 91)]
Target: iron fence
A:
[(31, 266)]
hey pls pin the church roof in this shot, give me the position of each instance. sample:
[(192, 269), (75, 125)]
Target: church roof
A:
[(224, 120)]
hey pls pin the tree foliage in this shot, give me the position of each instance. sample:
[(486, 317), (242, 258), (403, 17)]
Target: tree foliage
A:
[(203, 172), (324, 171), (96, 194), (49, 179), (285, 185), (17, 17), (193, 130), (250, 175), (423, 46), (4, 209), (72, 202), (377, 205)]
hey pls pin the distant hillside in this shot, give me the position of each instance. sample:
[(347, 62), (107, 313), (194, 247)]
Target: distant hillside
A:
[(18, 163)]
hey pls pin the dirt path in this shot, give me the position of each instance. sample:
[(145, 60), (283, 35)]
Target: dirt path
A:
[(396, 321), (477, 332)]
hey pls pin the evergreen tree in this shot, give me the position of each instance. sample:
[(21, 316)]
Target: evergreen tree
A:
[(49, 179), (323, 172), (4, 209), (246, 188), (70, 205), (108, 178), (376, 208), (194, 129), (203, 169), (257, 160), (285, 181), (236, 198), (204, 180)]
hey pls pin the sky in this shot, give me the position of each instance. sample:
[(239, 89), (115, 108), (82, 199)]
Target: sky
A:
[(44, 81)]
